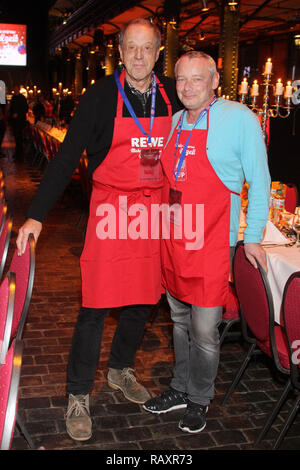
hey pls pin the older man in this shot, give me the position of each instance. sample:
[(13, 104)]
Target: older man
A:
[(214, 145), (123, 122)]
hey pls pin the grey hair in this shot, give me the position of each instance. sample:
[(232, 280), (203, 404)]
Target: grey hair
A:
[(199, 55), (142, 21)]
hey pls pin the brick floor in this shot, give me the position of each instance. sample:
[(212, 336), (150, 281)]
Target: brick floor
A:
[(117, 423)]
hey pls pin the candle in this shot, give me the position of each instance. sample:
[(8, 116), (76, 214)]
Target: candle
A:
[(279, 88), (244, 87), (255, 88), (268, 66), (288, 90)]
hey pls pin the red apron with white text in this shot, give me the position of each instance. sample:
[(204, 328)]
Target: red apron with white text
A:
[(197, 272), (119, 270)]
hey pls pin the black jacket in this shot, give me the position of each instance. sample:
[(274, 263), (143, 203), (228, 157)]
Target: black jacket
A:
[(91, 129)]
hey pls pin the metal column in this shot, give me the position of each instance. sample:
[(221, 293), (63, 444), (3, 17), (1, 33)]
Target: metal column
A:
[(229, 48)]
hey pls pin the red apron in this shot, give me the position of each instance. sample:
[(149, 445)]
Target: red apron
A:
[(198, 276), (120, 270)]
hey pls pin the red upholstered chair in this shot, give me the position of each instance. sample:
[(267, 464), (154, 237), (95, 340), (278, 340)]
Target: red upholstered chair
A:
[(24, 268), (3, 213), (231, 315), (257, 317), (7, 299), (4, 243), (291, 198), (291, 320), (10, 372)]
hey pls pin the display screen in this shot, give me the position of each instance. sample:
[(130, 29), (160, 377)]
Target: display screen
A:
[(13, 44)]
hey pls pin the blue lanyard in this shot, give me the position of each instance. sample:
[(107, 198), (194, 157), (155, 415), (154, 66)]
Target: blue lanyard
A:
[(182, 155), (130, 109)]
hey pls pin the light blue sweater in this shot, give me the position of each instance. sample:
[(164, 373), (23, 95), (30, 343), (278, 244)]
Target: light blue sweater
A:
[(236, 149)]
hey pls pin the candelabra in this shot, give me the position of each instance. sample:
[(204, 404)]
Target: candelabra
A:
[(279, 108)]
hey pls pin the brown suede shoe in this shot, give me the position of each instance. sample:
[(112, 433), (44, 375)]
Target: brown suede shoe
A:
[(78, 421), (124, 380)]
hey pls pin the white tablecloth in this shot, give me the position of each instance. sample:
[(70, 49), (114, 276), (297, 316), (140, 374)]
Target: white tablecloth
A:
[(282, 262)]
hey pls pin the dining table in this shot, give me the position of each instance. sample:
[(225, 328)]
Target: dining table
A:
[(282, 261)]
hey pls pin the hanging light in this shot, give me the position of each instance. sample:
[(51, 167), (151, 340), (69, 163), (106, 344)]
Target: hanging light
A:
[(204, 6), (233, 5)]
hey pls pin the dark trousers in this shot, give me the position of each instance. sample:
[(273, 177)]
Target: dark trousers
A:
[(86, 344)]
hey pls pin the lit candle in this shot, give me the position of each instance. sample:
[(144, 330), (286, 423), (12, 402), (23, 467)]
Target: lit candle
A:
[(219, 91), (255, 88), (268, 66), (288, 90), (279, 88), (244, 87)]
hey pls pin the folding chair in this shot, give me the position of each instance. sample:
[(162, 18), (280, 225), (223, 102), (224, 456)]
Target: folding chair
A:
[(3, 212), (7, 300), (291, 198), (257, 317), (4, 243), (10, 372), (230, 316), (291, 320), (24, 269)]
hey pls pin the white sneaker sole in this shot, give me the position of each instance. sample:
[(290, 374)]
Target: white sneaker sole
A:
[(186, 429), (173, 408)]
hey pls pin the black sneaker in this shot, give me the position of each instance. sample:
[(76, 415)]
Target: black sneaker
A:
[(194, 419), (168, 401)]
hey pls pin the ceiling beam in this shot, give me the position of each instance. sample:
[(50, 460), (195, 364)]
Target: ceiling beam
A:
[(254, 13)]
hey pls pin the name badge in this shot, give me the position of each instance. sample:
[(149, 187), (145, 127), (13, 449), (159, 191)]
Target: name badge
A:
[(175, 213), (149, 167), (174, 196)]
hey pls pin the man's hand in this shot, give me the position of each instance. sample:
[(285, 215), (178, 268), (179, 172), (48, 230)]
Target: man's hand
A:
[(30, 226), (255, 252)]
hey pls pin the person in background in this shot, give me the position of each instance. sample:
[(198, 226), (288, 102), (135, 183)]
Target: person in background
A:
[(112, 122), (215, 144), (38, 109), (17, 120), (66, 108)]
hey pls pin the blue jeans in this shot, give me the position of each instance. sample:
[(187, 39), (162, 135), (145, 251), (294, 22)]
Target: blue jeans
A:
[(196, 348)]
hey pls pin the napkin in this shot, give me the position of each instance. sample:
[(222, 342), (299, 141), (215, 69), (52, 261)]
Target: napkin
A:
[(273, 235)]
